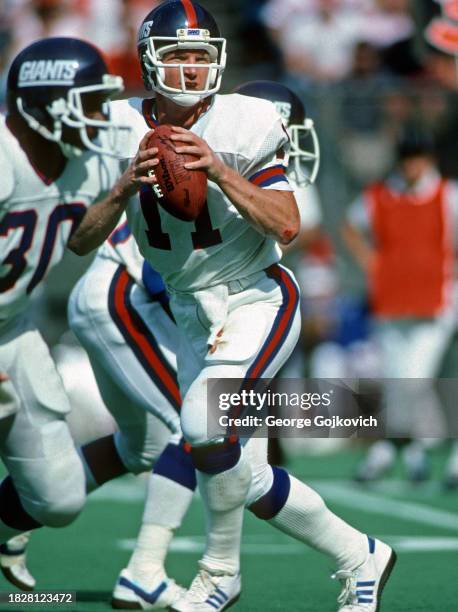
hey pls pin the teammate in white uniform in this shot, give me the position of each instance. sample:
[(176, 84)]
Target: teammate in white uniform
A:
[(237, 315), (43, 197), (119, 311), (53, 168), (38, 217)]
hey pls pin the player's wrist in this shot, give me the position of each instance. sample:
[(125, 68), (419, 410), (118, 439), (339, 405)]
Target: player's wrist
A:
[(221, 174), (122, 191)]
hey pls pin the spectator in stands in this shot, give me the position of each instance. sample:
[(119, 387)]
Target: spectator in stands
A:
[(122, 56), (442, 71), (5, 43), (35, 19), (365, 142), (261, 57), (317, 37), (387, 22), (317, 42)]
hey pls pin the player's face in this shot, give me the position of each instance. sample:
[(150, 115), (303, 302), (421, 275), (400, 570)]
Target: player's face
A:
[(93, 108), (195, 78), (413, 168)]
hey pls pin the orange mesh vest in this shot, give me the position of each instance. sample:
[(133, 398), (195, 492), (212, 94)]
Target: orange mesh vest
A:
[(411, 274)]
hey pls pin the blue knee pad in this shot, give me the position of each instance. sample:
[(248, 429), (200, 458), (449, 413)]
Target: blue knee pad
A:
[(175, 463), (216, 458), (270, 504)]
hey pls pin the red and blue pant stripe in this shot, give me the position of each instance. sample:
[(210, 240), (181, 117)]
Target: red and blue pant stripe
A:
[(139, 337), (282, 323)]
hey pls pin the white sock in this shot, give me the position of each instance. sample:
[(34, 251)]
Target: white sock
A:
[(150, 551), (166, 505), (224, 496), (306, 518), (381, 455)]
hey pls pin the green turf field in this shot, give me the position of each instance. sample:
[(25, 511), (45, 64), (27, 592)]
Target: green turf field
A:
[(279, 574)]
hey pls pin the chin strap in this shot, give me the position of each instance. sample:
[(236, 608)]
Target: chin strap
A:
[(182, 99)]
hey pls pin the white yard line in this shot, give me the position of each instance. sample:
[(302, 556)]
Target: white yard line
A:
[(349, 495)]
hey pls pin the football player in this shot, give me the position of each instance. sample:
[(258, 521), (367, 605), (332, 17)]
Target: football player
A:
[(56, 154), (236, 308), (58, 148), (59, 156), (120, 290), (119, 311)]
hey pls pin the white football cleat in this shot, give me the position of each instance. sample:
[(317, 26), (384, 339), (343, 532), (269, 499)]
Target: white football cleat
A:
[(416, 463), (209, 592), (157, 593), (379, 460), (13, 562), (362, 587)]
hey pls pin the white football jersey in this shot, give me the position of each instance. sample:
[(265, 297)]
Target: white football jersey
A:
[(122, 248), (37, 215), (248, 135)]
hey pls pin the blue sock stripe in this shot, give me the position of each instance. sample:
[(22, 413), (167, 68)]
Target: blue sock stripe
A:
[(176, 464), (270, 504), (216, 458)]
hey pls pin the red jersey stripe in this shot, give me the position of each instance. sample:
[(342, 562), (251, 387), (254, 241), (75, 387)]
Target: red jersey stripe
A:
[(267, 174)]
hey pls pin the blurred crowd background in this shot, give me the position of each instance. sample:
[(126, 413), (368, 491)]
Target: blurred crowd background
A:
[(364, 71)]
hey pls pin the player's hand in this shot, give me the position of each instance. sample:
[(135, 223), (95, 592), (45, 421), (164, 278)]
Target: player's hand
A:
[(141, 169), (3, 377), (193, 145)]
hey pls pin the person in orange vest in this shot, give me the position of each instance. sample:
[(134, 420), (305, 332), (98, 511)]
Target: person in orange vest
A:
[(401, 231)]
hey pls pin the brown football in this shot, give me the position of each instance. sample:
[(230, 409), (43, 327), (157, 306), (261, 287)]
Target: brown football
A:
[(181, 192)]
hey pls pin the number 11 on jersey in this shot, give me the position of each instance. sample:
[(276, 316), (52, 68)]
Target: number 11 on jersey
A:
[(203, 237)]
